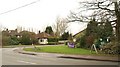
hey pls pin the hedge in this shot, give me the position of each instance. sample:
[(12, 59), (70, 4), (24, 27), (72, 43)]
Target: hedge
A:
[(53, 39), (52, 43)]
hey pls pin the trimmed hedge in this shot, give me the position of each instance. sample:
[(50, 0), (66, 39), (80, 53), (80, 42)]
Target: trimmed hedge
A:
[(53, 39), (52, 43)]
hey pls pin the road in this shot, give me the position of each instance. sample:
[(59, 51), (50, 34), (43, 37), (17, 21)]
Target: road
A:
[(0, 56), (10, 57)]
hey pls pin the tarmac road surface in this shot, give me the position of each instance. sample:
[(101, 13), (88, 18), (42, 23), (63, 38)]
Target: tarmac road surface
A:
[(10, 57)]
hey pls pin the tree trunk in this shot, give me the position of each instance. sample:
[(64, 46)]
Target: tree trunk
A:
[(117, 12)]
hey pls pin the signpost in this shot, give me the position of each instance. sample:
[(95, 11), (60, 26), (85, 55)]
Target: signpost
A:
[(94, 47)]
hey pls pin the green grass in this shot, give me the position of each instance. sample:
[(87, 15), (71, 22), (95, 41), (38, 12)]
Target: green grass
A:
[(61, 49)]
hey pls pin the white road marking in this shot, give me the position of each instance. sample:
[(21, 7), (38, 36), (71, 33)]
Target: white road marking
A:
[(27, 62)]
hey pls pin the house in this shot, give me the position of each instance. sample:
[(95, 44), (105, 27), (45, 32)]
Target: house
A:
[(11, 33), (43, 37), (79, 34), (14, 33)]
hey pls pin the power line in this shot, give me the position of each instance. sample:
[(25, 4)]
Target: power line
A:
[(20, 7)]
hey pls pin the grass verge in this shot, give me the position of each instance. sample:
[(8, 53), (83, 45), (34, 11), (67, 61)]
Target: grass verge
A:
[(61, 49)]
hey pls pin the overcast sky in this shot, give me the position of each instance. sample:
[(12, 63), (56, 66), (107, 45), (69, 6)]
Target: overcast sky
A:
[(38, 15)]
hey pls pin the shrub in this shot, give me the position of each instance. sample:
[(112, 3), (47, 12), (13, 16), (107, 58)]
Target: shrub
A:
[(89, 41), (52, 43), (9, 40), (5, 40), (82, 42), (25, 39), (14, 40), (77, 45), (66, 43), (34, 40), (97, 43), (53, 39), (111, 48), (65, 36)]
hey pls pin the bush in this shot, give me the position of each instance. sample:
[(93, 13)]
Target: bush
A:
[(78, 45), (53, 39), (34, 40), (97, 43), (66, 43), (14, 40), (25, 39), (89, 41), (52, 43), (116, 49), (5, 40), (82, 42), (111, 48), (65, 36)]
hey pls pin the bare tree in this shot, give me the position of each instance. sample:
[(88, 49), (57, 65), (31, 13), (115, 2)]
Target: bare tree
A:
[(101, 10), (60, 26), (19, 29)]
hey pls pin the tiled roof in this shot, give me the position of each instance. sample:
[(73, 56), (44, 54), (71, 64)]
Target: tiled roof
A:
[(79, 33), (43, 35)]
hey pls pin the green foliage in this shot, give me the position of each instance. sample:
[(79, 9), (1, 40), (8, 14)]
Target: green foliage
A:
[(34, 41), (82, 42), (5, 40), (66, 43), (53, 39), (25, 39), (96, 31), (108, 29), (33, 38), (91, 28), (14, 40), (49, 30), (52, 43), (105, 30), (65, 36), (111, 48), (99, 30), (77, 45)]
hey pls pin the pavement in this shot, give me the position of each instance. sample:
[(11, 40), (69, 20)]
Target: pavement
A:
[(83, 57)]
